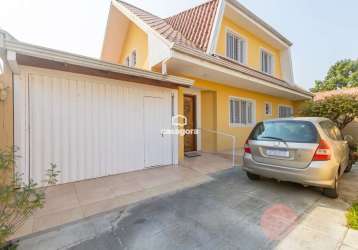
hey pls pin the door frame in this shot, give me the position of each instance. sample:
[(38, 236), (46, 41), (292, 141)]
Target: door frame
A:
[(194, 99)]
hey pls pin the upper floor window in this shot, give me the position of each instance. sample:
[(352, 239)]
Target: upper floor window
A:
[(127, 63), (267, 63), (268, 108), (235, 47), (242, 112), (285, 111), (131, 60)]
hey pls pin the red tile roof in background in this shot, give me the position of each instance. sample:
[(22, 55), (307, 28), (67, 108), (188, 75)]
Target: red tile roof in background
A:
[(322, 95), (195, 24)]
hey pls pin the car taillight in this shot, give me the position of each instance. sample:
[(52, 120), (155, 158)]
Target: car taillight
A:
[(247, 148), (323, 152)]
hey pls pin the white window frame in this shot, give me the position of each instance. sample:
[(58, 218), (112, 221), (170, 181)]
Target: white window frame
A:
[(253, 118), (2, 66), (234, 33), (262, 50), (284, 106), (270, 105), (127, 61), (132, 62)]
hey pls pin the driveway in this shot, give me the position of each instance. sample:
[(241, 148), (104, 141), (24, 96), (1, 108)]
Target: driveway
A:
[(229, 212)]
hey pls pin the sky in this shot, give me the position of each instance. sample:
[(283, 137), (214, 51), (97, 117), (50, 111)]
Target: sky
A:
[(322, 31)]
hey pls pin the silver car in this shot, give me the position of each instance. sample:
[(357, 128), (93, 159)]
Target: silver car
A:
[(306, 150)]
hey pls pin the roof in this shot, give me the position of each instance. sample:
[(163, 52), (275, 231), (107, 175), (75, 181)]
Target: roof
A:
[(224, 62), (260, 21), (31, 55), (189, 32), (158, 24), (196, 23), (322, 95), (193, 27)]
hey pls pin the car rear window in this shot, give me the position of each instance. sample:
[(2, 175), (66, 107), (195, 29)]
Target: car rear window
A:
[(289, 131)]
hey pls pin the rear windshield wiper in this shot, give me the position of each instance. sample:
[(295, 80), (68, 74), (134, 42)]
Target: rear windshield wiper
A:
[(273, 138)]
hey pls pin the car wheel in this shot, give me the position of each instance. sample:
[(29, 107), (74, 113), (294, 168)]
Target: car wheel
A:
[(349, 167), (253, 177), (332, 192)]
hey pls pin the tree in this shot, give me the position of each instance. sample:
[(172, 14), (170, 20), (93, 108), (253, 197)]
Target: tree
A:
[(18, 200), (341, 109), (343, 74)]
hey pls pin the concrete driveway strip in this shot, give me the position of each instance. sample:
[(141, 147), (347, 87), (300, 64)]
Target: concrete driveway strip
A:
[(229, 212)]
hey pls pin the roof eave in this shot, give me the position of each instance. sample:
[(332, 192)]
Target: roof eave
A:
[(261, 22), (211, 59), (83, 61)]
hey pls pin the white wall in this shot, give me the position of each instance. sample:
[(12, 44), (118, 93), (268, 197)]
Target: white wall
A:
[(88, 126)]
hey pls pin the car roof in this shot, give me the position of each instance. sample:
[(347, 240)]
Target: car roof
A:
[(310, 119)]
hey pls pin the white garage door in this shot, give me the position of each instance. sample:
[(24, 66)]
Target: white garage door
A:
[(90, 127)]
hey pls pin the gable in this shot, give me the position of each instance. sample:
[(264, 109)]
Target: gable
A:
[(135, 40), (117, 25)]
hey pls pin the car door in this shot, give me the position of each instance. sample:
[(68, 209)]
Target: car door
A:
[(343, 147), (340, 147)]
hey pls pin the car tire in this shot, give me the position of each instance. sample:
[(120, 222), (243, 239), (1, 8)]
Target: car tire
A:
[(349, 167), (253, 177), (332, 192)]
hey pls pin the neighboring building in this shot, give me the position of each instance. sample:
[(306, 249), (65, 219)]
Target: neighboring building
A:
[(351, 128), (241, 66), (322, 95)]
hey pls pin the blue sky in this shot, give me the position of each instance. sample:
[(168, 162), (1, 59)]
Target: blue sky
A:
[(323, 31)]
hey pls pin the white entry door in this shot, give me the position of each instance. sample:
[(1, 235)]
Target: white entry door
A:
[(157, 145)]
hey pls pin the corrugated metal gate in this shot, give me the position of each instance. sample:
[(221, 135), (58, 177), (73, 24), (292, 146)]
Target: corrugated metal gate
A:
[(89, 127)]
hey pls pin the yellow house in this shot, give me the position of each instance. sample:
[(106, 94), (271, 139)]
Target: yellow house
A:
[(216, 70), (240, 65)]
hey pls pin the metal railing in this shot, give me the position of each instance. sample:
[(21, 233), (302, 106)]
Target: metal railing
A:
[(219, 143)]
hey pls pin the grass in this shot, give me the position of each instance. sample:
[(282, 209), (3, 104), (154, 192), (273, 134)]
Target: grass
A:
[(352, 217)]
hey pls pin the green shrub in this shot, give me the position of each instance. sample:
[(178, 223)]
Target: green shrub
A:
[(352, 217), (18, 200), (341, 109)]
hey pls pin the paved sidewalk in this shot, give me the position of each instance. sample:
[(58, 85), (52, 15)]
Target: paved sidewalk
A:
[(323, 226), (75, 201), (227, 212)]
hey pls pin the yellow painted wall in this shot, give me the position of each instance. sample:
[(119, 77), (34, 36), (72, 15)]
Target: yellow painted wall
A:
[(208, 121), (181, 112), (223, 94), (6, 119), (221, 113), (254, 44), (135, 39)]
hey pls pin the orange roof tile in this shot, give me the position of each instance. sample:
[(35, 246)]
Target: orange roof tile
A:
[(322, 95), (196, 23), (159, 25)]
